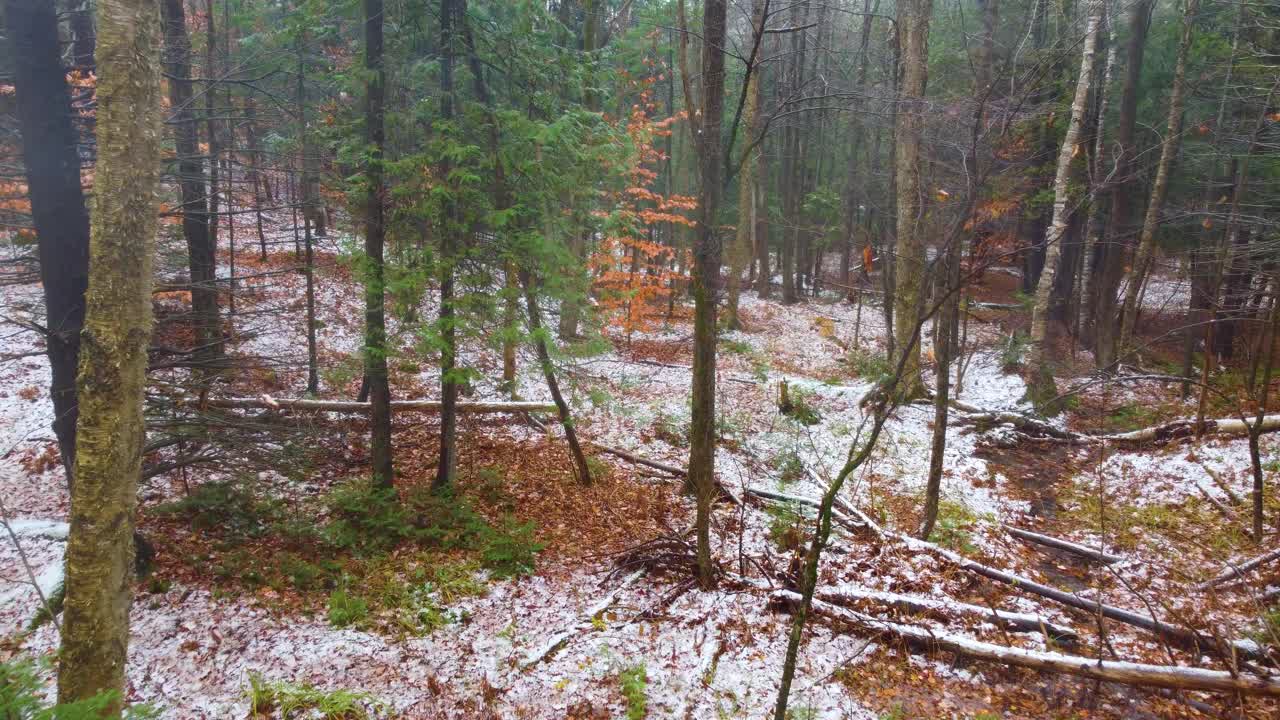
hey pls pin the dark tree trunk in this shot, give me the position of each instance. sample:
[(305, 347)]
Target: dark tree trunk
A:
[(706, 283), (375, 323), (61, 221), (448, 240), (1120, 228), (191, 183), (1235, 292)]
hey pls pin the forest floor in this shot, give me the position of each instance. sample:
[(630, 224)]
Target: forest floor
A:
[(246, 603)]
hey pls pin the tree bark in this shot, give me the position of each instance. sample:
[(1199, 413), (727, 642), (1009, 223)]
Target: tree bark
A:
[(1041, 388), (1141, 266), (375, 323), (1111, 253), (52, 164), (191, 184), (313, 375), (743, 245), (117, 332), (581, 468), (909, 266), (706, 278)]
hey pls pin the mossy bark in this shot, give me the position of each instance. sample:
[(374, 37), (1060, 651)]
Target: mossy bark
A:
[(913, 75), (113, 357)]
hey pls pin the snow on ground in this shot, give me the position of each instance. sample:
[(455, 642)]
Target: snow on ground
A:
[(715, 654)]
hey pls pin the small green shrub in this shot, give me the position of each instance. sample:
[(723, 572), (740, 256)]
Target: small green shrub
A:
[(510, 549), (635, 681), (786, 526), (22, 693), (799, 406), (229, 507), (867, 365), (267, 698), (491, 488), (346, 609), (367, 520), (305, 575), (789, 466), (1012, 348), (598, 468), (1133, 416), (672, 430), (952, 528)]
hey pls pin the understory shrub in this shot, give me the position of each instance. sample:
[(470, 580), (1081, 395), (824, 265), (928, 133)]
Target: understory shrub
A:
[(786, 526), (287, 701), (22, 691), (230, 506), (635, 681)]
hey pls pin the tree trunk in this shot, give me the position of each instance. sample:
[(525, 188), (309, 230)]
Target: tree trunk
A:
[(740, 252), (1141, 267), (375, 323), (313, 376), (117, 332), (1112, 253), (191, 183), (1041, 388), (706, 279), (49, 155), (255, 172), (581, 468), (80, 19), (909, 270)]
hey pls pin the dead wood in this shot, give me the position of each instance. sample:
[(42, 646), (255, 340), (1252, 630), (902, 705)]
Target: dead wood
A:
[(266, 402), (1063, 545), (1237, 569), (1128, 673)]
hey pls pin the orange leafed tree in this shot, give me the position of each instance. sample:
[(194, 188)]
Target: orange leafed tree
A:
[(633, 271)]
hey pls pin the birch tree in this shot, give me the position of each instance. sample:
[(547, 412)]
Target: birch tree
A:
[(1041, 387)]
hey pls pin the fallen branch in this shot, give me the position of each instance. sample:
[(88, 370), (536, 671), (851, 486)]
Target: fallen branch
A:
[(1029, 425), (633, 458), (559, 639), (1064, 545), (266, 402), (838, 517), (1158, 434), (1018, 622), (1180, 636), (1169, 676), (1235, 570)]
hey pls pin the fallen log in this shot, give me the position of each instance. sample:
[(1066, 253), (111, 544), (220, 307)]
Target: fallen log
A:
[(1025, 423), (1128, 673), (1176, 635), (1018, 622), (1235, 570), (1186, 428), (1158, 434), (266, 402), (1063, 545)]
